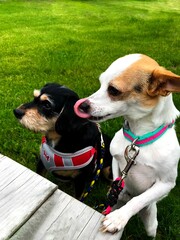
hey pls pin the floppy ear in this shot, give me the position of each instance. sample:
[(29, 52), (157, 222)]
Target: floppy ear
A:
[(163, 82), (68, 121)]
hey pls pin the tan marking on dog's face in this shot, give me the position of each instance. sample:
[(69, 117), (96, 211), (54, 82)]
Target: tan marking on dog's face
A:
[(36, 93), (36, 122), (134, 81), (44, 97)]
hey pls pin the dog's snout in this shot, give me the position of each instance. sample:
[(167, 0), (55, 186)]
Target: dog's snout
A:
[(82, 108), (18, 113)]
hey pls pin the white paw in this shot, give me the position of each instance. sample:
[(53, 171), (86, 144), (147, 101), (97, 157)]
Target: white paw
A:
[(114, 221)]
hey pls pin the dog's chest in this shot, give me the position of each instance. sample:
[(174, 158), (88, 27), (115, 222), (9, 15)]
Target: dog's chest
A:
[(141, 175), (139, 179)]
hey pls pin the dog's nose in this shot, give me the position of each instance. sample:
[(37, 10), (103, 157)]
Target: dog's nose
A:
[(18, 113), (82, 108)]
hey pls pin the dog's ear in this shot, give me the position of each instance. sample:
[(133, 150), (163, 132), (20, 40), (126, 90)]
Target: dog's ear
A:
[(68, 121), (163, 82)]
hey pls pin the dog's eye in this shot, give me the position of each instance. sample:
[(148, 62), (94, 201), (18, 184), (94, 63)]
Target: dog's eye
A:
[(113, 91), (46, 105)]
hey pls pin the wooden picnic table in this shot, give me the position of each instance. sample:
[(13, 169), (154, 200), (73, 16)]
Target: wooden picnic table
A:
[(33, 208)]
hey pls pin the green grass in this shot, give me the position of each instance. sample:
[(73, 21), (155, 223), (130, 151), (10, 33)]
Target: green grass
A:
[(72, 42)]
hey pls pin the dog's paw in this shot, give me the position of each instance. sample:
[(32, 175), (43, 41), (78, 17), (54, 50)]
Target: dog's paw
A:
[(114, 221)]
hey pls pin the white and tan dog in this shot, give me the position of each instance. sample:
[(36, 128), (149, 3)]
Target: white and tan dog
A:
[(137, 88)]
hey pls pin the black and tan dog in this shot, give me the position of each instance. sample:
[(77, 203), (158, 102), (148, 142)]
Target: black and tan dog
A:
[(71, 148)]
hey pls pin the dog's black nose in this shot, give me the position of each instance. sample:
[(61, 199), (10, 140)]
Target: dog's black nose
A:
[(84, 107), (18, 113)]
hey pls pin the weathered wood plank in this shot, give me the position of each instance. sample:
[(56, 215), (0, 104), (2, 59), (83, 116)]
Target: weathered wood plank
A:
[(32, 208), (92, 232), (62, 217), (9, 172), (22, 192)]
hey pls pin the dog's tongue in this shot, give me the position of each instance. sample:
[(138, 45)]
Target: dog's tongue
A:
[(79, 111)]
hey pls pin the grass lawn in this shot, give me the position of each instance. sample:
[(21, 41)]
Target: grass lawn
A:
[(72, 42)]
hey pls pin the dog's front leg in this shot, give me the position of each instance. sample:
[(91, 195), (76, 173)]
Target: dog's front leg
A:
[(117, 220), (115, 168), (148, 216)]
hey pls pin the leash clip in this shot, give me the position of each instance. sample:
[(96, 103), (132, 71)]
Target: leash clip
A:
[(130, 155), (131, 152)]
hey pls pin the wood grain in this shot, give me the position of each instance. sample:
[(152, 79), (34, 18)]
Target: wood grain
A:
[(32, 208), (22, 192), (62, 217)]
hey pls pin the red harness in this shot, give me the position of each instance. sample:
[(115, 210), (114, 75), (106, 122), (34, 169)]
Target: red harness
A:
[(54, 160)]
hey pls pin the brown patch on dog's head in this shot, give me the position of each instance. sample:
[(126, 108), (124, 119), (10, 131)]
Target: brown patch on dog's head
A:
[(44, 97), (144, 81), (133, 82)]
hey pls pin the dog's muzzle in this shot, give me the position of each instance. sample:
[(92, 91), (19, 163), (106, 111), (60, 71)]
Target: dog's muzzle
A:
[(83, 109)]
